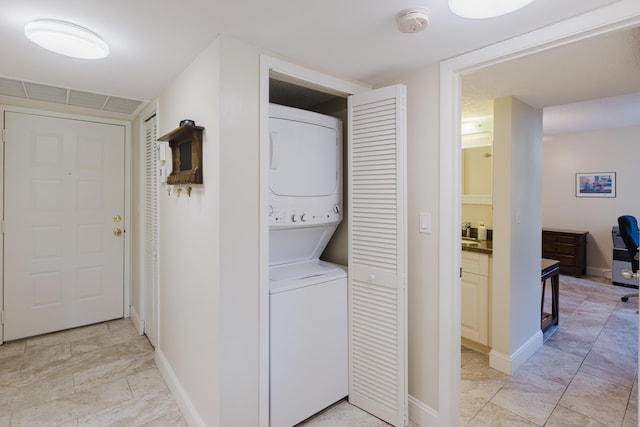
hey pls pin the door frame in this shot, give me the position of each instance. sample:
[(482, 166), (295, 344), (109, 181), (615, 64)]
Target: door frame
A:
[(304, 77), (127, 193), (614, 17)]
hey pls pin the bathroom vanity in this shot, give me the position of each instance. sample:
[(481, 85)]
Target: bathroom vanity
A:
[(476, 292)]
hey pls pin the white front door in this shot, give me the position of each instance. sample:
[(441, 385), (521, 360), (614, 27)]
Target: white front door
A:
[(64, 204)]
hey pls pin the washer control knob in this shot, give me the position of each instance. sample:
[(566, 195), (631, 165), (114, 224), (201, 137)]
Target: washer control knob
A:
[(294, 218), (303, 218), (270, 210), (336, 209)]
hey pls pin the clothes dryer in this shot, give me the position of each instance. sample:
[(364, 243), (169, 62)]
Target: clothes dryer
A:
[(308, 297), (305, 182)]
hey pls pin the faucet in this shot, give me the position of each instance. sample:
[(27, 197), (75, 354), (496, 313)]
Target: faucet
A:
[(466, 229)]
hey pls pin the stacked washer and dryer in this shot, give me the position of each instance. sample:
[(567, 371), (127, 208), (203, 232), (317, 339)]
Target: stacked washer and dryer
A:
[(308, 296)]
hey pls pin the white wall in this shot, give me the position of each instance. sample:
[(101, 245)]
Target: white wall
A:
[(604, 150), (189, 337), (239, 233), (423, 138), (209, 292), (475, 214), (517, 244)]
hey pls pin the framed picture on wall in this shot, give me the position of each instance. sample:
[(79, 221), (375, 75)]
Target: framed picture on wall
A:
[(601, 184)]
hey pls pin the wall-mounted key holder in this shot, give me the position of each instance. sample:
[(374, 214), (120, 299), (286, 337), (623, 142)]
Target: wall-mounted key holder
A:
[(186, 153)]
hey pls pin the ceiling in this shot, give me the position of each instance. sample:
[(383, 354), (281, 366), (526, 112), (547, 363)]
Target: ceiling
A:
[(153, 40), (584, 85)]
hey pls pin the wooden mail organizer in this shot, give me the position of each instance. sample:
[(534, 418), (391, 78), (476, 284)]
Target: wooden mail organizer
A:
[(186, 154)]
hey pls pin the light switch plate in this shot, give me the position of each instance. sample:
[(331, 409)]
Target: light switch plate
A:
[(425, 222), (162, 154)]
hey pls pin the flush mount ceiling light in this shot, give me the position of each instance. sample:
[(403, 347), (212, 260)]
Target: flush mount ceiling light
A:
[(413, 20), (66, 38), (478, 9)]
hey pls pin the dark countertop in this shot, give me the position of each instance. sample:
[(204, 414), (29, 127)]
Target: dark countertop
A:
[(484, 247)]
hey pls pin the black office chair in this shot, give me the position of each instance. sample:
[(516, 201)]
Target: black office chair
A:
[(629, 232)]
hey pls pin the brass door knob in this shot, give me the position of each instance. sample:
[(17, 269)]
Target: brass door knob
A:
[(117, 231), (117, 218)]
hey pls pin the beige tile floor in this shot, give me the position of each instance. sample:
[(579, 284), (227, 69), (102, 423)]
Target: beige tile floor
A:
[(104, 375), (584, 375), (343, 414), (98, 375)]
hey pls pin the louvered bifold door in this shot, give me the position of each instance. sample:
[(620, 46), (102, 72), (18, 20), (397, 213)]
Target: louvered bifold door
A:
[(151, 263), (377, 254)]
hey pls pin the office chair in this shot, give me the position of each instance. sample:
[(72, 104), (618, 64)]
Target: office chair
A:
[(629, 232)]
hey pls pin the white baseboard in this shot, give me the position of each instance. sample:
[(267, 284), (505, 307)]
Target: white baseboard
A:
[(510, 364), (599, 272), (135, 319), (421, 415), (189, 411), (500, 361)]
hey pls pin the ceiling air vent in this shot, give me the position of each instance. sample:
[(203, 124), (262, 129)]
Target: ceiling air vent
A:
[(60, 95), (9, 87), (121, 105), (86, 99), (46, 93)]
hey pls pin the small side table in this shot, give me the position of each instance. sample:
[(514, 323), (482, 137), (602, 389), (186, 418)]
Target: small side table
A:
[(550, 270)]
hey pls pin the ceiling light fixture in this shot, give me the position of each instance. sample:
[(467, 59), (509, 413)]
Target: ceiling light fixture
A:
[(479, 9), (66, 38)]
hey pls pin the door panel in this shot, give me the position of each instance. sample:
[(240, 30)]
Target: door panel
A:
[(64, 186), (377, 254), (151, 221)]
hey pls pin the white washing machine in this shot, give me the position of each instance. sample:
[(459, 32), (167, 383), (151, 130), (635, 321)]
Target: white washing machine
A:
[(309, 344), (308, 297)]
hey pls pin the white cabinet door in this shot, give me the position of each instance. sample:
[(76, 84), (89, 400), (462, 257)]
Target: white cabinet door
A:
[(64, 193), (474, 308), (475, 297), (377, 254)]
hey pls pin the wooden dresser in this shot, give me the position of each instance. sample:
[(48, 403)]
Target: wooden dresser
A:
[(567, 246)]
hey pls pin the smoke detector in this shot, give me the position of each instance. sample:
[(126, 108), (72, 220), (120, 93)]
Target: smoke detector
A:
[(413, 20)]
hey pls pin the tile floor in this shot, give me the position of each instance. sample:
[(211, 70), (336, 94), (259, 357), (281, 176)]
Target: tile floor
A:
[(104, 375), (343, 414), (98, 375), (584, 375)]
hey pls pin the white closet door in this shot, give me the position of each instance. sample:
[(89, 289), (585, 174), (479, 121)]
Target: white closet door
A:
[(377, 254), (151, 262)]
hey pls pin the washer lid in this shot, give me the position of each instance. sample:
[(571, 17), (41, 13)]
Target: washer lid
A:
[(300, 274)]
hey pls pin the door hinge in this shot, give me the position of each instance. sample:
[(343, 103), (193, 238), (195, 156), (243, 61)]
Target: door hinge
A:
[(461, 272), (2, 226), (2, 317)]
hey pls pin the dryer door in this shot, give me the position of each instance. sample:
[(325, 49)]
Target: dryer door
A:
[(304, 159)]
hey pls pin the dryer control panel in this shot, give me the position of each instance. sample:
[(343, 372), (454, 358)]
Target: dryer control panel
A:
[(304, 213)]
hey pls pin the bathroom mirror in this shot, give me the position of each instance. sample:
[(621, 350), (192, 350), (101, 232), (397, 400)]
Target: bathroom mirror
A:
[(477, 175)]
